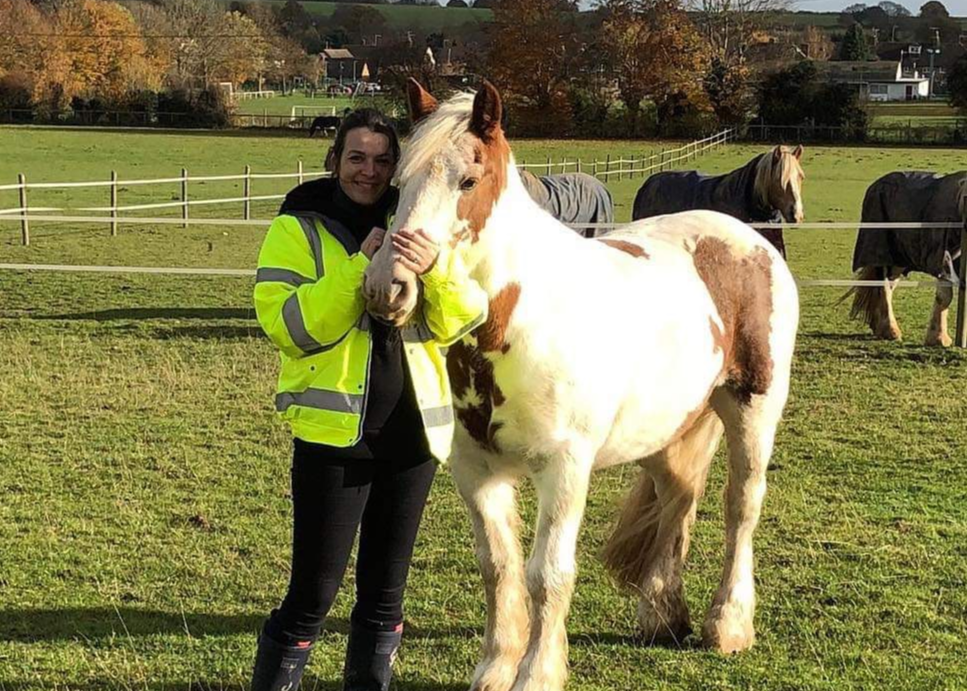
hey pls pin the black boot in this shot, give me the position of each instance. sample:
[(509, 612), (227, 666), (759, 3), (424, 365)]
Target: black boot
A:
[(369, 658), (279, 667)]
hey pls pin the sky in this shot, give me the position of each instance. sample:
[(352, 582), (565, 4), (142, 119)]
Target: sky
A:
[(956, 7)]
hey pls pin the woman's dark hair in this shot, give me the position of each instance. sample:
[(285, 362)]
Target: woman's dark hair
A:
[(371, 119)]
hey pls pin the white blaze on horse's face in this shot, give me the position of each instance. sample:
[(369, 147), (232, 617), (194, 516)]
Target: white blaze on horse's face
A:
[(451, 175)]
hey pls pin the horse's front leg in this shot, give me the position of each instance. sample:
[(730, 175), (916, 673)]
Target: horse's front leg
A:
[(937, 333), (562, 492), (491, 501)]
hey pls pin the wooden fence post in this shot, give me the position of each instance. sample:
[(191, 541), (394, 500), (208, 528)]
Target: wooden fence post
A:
[(301, 176), (114, 203), (960, 337), (184, 197), (607, 169), (247, 193), (579, 166), (24, 224), (549, 164)]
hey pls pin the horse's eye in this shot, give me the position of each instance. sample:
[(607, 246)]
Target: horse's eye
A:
[(468, 184)]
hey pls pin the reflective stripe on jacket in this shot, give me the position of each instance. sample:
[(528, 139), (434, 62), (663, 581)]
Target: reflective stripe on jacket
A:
[(308, 299)]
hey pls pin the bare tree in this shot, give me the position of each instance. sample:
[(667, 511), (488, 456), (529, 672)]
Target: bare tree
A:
[(728, 25)]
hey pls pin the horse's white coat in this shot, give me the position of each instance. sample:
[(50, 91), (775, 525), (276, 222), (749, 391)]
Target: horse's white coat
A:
[(609, 358)]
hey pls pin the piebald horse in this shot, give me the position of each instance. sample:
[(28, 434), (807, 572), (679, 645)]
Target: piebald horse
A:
[(641, 347)]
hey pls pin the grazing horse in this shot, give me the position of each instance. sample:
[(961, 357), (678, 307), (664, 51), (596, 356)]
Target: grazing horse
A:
[(639, 347), (323, 123), (767, 189), (887, 253), (572, 198)]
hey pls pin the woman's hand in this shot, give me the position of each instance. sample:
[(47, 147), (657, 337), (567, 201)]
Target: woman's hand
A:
[(416, 251), (373, 242)]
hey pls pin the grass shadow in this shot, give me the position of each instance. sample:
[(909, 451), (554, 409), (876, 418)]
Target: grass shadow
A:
[(145, 313), (32, 625), (309, 683)]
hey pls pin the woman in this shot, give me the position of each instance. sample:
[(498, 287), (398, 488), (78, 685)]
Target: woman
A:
[(364, 449)]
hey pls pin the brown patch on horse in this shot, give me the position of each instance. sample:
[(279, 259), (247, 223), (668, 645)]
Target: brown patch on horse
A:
[(491, 335), (741, 288), (476, 205), (628, 247), (467, 366)]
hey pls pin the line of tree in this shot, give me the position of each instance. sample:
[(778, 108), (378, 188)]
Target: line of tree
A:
[(72, 53)]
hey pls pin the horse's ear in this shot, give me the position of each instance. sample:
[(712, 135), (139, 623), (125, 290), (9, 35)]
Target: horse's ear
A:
[(798, 152), (777, 155), (487, 111), (419, 100)]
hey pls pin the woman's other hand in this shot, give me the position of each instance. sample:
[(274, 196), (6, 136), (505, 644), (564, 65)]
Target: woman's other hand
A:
[(415, 251), (373, 242)]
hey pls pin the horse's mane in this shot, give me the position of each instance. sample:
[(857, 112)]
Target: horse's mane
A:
[(766, 171), (450, 120)]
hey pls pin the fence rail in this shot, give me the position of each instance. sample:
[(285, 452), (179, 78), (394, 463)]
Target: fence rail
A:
[(603, 169)]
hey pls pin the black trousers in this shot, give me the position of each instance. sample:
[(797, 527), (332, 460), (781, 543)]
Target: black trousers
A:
[(332, 498)]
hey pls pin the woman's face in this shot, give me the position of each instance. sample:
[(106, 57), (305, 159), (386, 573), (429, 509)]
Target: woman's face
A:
[(366, 166)]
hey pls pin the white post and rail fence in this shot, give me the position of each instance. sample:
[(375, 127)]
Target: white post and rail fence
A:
[(608, 169)]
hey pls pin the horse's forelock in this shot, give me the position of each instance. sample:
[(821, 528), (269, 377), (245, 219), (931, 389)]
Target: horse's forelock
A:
[(769, 173), (448, 122)]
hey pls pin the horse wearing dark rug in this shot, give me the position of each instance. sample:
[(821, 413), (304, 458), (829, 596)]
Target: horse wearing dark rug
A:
[(887, 253), (767, 189), (323, 123), (573, 199)]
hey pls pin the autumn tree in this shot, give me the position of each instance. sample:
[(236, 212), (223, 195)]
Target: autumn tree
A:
[(532, 54), (655, 52), (242, 60), (819, 46)]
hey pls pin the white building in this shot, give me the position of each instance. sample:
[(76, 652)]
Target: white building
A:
[(880, 81)]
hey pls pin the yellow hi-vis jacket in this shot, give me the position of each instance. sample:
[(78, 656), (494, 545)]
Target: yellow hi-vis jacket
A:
[(308, 299)]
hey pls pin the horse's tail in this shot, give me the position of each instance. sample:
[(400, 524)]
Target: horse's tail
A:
[(630, 550), (867, 300)]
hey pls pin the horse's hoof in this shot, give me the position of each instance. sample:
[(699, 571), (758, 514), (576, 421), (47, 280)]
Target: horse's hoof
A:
[(669, 625), (728, 635), (495, 675), (942, 340)]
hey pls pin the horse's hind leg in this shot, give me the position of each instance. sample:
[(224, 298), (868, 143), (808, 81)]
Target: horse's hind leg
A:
[(650, 542), (937, 333), (492, 504), (750, 427)]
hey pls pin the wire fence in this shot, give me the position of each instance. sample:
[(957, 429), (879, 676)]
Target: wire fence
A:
[(959, 284)]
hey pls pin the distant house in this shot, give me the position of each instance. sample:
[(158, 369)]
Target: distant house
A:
[(340, 65), (879, 81)]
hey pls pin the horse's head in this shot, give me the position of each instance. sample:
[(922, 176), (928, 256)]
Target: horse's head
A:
[(451, 175), (779, 179)]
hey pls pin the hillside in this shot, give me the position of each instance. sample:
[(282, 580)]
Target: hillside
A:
[(430, 18)]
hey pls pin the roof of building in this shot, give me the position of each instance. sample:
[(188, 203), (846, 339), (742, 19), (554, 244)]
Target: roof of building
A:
[(337, 54), (865, 71)]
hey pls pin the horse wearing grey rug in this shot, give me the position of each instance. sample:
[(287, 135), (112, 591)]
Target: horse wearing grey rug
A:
[(767, 189), (572, 198), (888, 253)]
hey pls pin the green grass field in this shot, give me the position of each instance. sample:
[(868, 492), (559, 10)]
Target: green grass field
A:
[(144, 513), (282, 105), (429, 18)]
